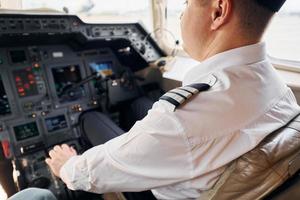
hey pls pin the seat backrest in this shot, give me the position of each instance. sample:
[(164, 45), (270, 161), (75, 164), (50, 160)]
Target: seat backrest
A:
[(260, 171), (288, 191)]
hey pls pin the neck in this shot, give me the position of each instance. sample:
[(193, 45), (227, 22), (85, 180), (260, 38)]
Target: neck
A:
[(224, 41)]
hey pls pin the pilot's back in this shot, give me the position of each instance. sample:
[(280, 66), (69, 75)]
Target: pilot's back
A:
[(247, 101)]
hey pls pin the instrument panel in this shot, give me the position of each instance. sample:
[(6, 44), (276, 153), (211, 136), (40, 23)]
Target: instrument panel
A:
[(41, 90), (38, 111), (51, 68)]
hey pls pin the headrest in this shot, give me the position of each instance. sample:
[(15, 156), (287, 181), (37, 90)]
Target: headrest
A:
[(273, 5)]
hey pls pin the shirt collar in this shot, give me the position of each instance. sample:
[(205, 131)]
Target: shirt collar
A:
[(242, 56)]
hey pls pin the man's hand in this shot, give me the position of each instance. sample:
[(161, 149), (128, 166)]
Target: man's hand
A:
[(59, 155)]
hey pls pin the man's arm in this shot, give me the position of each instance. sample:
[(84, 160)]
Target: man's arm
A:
[(152, 154)]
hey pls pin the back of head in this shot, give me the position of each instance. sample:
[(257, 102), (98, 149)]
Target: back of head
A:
[(255, 15), (213, 26), (273, 5)]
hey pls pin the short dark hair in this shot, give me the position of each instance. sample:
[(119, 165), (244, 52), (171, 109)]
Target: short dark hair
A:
[(254, 18)]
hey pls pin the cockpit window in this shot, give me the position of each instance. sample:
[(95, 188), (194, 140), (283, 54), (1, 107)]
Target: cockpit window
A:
[(95, 11), (282, 36), (174, 11)]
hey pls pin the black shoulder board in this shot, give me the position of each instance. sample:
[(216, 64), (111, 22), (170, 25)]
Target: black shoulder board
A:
[(179, 95)]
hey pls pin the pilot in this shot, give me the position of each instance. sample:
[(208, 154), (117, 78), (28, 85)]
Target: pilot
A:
[(227, 105)]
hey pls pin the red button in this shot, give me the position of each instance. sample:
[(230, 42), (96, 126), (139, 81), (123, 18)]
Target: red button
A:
[(6, 148), (18, 79), (21, 90), (27, 86), (36, 65), (30, 77)]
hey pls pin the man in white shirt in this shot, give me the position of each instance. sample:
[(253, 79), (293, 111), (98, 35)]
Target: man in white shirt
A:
[(180, 151)]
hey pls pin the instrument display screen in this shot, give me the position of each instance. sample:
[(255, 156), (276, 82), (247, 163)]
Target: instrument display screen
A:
[(56, 123), (64, 77), (102, 68), (18, 56), (26, 131)]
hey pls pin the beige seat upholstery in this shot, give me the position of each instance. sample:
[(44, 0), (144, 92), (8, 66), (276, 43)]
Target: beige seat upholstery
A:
[(260, 171)]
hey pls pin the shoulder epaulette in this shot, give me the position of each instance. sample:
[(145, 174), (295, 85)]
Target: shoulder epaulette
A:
[(180, 95)]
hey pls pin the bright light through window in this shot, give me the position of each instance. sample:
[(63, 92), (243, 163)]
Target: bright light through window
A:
[(99, 10), (174, 9), (3, 195), (282, 37)]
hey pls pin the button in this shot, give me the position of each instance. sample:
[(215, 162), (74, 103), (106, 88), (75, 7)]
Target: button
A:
[(6, 148), (36, 65), (44, 113), (33, 115), (77, 108)]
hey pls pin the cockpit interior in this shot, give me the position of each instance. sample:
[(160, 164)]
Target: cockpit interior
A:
[(63, 61)]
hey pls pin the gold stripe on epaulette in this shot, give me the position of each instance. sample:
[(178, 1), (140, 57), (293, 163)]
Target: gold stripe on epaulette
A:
[(190, 89), (175, 97), (184, 93)]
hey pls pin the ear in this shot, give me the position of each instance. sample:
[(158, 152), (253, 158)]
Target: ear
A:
[(221, 12)]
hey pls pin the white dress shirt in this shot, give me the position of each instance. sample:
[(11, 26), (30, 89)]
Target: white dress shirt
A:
[(180, 154)]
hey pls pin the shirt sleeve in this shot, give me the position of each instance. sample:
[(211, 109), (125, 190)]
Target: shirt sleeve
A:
[(154, 153)]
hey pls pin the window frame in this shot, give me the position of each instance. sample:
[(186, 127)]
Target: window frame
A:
[(160, 9), (15, 6)]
